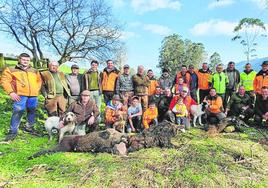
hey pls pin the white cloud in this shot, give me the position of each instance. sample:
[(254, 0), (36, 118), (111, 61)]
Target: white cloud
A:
[(153, 28), (220, 3), (141, 6), (157, 29), (213, 27), (262, 4)]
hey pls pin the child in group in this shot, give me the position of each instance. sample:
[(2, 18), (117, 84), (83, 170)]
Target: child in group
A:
[(181, 112), (113, 111), (134, 115), (180, 85), (150, 116)]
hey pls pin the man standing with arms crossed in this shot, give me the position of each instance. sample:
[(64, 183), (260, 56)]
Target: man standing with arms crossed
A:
[(23, 84)]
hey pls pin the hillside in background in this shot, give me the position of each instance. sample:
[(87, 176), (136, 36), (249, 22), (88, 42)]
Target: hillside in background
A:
[(256, 64)]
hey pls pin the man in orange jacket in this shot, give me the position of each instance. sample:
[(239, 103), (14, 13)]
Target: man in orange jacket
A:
[(215, 108), (204, 75), (153, 83), (184, 74), (23, 84), (108, 81), (261, 78)]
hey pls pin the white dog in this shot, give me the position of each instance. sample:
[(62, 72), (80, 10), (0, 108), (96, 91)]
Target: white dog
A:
[(69, 120), (197, 111)]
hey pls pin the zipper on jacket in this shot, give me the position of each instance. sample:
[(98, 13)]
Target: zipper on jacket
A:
[(29, 87)]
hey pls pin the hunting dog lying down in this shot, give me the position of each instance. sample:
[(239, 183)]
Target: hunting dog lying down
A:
[(112, 141), (69, 120)]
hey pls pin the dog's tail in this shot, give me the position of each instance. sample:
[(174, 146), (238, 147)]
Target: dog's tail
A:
[(44, 152)]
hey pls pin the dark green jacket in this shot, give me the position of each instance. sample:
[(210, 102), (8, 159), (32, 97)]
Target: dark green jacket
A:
[(240, 101)]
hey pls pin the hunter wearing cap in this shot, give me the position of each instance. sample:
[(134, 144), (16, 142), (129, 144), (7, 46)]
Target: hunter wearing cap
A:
[(165, 81), (74, 81), (261, 78), (124, 86), (114, 111), (86, 112)]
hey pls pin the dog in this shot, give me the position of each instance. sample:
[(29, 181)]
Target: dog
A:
[(120, 124), (197, 111), (69, 120)]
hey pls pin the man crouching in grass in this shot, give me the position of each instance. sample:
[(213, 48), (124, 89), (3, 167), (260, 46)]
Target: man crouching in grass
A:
[(23, 84), (86, 112)]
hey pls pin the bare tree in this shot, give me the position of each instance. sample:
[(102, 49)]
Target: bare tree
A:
[(21, 19), (71, 29), (78, 32)]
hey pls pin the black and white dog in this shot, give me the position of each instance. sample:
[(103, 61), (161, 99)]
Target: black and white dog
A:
[(197, 111)]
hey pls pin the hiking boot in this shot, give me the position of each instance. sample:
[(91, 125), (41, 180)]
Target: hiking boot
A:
[(10, 137)]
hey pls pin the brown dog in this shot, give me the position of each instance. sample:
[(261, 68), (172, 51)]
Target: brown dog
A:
[(120, 124)]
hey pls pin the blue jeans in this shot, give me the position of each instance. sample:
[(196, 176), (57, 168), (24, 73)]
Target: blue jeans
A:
[(29, 103), (181, 120)]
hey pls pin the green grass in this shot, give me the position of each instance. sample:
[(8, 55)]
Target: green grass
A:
[(198, 161)]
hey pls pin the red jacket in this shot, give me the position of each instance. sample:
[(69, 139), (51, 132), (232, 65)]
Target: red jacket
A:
[(188, 101)]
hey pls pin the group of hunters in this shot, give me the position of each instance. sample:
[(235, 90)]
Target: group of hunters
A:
[(141, 99)]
